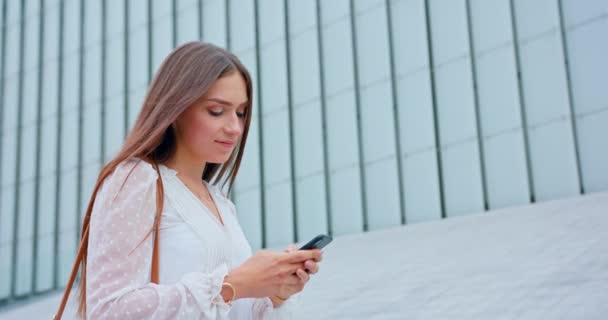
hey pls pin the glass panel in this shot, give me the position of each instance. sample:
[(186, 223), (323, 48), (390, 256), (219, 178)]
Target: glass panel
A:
[(594, 150), (214, 21), (6, 265), (312, 216), (589, 66), (535, 17), (7, 215), (409, 36), (342, 141), (67, 224), (274, 78), (372, 46), (24, 238), (276, 147), (279, 217), (553, 160), (187, 21), (491, 21), (338, 57), (138, 46), (242, 26), (449, 30), (91, 127), (576, 12), (28, 153), (46, 230), (44, 266), (421, 184), (346, 205), (382, 192), (506, 170), (248, 206), (308, 134), (462, 179), (48, 146), (162, 31)]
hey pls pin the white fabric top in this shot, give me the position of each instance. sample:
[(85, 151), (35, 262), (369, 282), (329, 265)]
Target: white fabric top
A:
[(196, 251)]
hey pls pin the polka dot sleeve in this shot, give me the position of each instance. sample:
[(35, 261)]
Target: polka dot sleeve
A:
[(120, 257)]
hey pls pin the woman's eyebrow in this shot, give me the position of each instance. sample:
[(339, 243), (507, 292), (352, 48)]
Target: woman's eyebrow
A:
[(224, 102)]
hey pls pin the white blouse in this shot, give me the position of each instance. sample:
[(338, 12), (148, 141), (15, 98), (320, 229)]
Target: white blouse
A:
[(195, 252)]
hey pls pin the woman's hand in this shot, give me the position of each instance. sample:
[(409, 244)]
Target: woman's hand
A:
[(303, 274), (267, 273)]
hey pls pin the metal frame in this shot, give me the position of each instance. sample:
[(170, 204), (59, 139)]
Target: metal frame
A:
[(438, 146), (290, 110), (59, 180), (2, 69), (81, 109), (17, 172), (571, 104), (522, 103), (479, 126), (126, 74), (362, 173), (258, 61), (396, 119), (323, 100), (37, 177)]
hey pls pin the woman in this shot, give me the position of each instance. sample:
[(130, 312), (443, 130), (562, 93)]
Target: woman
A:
[(189, 136)]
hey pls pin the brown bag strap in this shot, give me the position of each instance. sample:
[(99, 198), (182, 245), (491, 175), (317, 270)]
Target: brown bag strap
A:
[(85, 239)]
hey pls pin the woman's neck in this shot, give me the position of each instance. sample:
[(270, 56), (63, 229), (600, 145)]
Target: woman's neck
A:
[(187, 167)]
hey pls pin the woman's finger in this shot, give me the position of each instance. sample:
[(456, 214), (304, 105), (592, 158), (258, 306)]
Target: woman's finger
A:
[(311, 267), (304, 277), (291, 248)]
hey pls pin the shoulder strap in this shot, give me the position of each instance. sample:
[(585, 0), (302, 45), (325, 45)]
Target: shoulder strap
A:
[(85, 239)]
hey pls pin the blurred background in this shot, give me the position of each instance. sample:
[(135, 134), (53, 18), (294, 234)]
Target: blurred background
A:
[(368, 114)]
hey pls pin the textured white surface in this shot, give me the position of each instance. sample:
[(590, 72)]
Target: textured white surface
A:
[(544, 261)]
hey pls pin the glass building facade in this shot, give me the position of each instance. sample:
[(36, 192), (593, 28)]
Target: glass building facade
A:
[(368, 114)]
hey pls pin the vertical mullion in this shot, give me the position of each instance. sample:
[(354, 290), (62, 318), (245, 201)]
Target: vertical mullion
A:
[(438, 147), (396, 118), (290, 110), (522, 103), (18, 151), (573, 123), (58, 157), (326, 169), (200, 19), (174, 22), (2, 76), (126, 74), (41, 22), (104, 76), (81, 110), (227, 4), (362, 177), (150, 47), (479, 127), (258, 60)]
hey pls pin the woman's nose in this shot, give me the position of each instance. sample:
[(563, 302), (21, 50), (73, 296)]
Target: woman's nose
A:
[(234, 126)]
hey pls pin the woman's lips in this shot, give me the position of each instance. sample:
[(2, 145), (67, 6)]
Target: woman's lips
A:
[(227, 144)]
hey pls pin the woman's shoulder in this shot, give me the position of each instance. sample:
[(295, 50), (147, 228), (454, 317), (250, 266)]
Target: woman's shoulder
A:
[(134, 171)]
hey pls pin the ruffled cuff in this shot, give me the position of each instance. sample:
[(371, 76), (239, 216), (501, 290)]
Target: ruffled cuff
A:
[(206, 289)]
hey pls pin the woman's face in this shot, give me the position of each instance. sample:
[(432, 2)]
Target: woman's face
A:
[(210, 129)]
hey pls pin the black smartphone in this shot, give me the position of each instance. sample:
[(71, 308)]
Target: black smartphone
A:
[(317, 242)]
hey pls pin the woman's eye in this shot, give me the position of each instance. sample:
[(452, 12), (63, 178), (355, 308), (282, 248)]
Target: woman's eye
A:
[(215, 113), (241, 114)]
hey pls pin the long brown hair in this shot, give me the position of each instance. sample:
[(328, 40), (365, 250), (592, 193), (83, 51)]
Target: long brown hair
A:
[(182, 79)]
